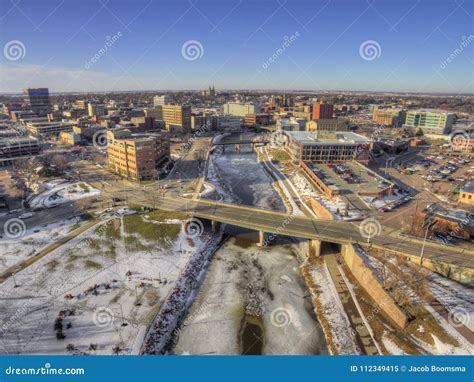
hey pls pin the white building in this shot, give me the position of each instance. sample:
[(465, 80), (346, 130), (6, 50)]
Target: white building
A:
[(240, 109), (291, 124), (46, 129), (161, 100)]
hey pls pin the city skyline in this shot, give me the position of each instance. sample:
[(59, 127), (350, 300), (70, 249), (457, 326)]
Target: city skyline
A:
[(408, 46)]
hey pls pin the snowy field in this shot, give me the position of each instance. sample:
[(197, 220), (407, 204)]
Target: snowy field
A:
[(98, 293), (13, 251)]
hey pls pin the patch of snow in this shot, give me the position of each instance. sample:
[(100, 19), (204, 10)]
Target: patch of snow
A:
[(391, 346), (59, 192)]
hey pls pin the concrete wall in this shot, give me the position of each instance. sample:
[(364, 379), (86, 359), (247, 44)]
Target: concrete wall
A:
[(320, 210), (318, 183), (368, 280)]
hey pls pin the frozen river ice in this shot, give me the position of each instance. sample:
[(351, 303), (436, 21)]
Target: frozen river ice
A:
[(253, 300)]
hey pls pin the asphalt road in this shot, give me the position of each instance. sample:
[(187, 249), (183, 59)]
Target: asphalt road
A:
[(332, 231)]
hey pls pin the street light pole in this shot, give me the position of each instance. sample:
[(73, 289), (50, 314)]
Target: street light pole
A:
[(423, 246)]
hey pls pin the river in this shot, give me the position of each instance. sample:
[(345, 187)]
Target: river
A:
[(253, 300)]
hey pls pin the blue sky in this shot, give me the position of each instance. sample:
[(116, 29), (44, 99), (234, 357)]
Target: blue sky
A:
[(412, 40)]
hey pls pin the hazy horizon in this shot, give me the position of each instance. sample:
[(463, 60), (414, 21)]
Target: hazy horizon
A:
[(88, 46)]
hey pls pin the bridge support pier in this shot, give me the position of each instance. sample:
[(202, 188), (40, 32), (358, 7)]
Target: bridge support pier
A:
[(215, 226), (261, 239), (314, 248)]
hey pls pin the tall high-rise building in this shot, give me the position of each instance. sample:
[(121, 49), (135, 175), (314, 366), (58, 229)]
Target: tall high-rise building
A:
[(155, 112), (161, 100), (96, 109), (38, 100), (322, 110), (177, 117)]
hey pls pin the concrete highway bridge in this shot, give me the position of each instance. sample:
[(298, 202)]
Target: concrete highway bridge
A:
[(237, 141), (269, 223)]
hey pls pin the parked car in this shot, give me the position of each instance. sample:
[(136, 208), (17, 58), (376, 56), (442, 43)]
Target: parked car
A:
[(27, 215)]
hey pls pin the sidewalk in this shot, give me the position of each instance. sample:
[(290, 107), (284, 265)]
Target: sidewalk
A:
[(364, 338), (24, 264)]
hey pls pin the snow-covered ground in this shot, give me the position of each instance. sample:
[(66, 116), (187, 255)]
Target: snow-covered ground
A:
[(60, 191), (336, 206), (13, 251), (456, 298), (100, 291), (339, 325), (382, 202)]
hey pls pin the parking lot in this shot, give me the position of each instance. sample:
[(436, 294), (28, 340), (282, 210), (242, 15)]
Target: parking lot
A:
[(352, 177), (441, 175)]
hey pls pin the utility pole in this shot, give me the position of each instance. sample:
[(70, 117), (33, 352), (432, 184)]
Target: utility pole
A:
[(424, 241)]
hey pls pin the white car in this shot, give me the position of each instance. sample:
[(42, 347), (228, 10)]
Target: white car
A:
[(27, 215)]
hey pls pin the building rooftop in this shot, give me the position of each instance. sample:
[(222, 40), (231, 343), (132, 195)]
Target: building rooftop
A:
[(428, 111), (459, 216), (341, 137), (468, 187)]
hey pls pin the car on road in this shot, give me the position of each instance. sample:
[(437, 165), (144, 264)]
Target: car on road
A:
[(27, 215)]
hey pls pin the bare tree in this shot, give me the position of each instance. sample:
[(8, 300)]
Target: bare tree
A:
[(27, 171), (59, 161)]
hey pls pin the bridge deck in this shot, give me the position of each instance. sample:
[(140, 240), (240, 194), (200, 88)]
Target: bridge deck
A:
[(302, 227)]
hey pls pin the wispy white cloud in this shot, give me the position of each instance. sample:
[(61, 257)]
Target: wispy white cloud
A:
[(13, 78)]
